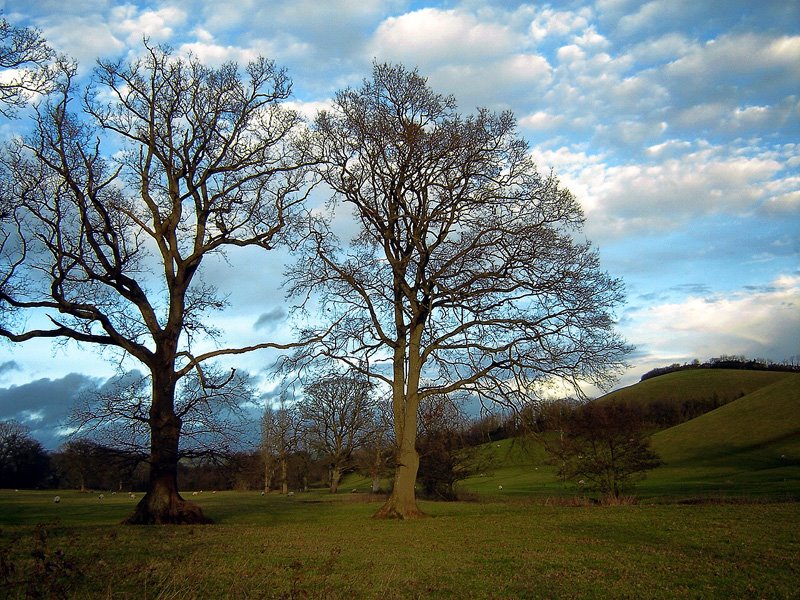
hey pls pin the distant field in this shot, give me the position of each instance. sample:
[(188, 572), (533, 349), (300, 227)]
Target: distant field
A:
[(315, 546)]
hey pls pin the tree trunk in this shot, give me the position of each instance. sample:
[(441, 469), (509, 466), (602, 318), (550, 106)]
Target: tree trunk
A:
[(162, 503), (336, 477), (402, 503), (269, 472), (284, 475)]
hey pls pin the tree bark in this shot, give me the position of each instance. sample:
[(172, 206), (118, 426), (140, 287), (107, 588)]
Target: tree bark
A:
[(284, 475), (336, 477), (402, 503), (162, 504)]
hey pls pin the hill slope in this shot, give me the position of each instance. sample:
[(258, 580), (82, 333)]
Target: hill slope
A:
[(747, 447), (697, 385)]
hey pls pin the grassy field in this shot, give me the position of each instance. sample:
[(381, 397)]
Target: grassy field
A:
[(720, 519), (315, 546)]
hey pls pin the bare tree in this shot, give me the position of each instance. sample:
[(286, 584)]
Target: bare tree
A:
[(465, 273), (23, 460), (336, 413), (167, 162), (378, 446), (279, 437), (213, 424), (24, 52), (606, 447), (24, 64)]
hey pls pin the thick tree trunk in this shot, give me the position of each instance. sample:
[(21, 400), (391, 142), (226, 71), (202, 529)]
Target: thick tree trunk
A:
[(162, 503), (402, 503)]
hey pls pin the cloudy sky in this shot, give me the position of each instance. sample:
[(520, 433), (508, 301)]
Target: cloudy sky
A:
[(675, 122)]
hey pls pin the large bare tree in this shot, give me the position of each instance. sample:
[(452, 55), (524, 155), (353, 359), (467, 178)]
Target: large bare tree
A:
[(121, 194), (467, 273)]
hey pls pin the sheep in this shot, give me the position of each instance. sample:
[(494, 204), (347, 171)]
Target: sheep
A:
[(101, 497), (132, 496), (290, 494), (499, 487), (57, 499), (194, 493)]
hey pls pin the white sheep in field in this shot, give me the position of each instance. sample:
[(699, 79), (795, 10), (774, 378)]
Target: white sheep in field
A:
[(57, 499), (132, 496), (101, 497)]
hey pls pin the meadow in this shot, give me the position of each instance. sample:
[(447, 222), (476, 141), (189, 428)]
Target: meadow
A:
[(720, 519), (317, 546)]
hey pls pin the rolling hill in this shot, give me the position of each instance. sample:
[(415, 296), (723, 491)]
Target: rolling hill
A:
[(748, 447)]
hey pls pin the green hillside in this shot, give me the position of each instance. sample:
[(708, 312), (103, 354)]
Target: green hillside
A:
[(748, 447), (697, 384)]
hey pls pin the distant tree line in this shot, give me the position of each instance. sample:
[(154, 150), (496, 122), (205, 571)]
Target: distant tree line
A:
[(727, 361)]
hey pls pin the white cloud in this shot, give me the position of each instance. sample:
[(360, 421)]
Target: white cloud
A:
[(155, 24), (430, 36), (549, 22), (754, 322), (216, 54), (683, 182), (68, 35), (733, 55)]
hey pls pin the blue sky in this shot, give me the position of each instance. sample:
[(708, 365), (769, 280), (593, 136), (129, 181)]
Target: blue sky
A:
[(676, 124)]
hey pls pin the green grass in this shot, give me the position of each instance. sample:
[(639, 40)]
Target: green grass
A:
[(718, 520), (699, 384), (312, 546), (747, 448), (750, 446)]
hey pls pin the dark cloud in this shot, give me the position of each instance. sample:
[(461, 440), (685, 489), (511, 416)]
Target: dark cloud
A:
[(44, 404), (8, 367), (271, 318)]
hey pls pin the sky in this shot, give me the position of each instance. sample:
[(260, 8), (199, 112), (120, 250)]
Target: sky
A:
[(676, 123)]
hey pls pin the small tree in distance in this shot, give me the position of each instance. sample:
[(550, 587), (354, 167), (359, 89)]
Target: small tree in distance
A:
[(336, 414), (280, 433), (603, 447)]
